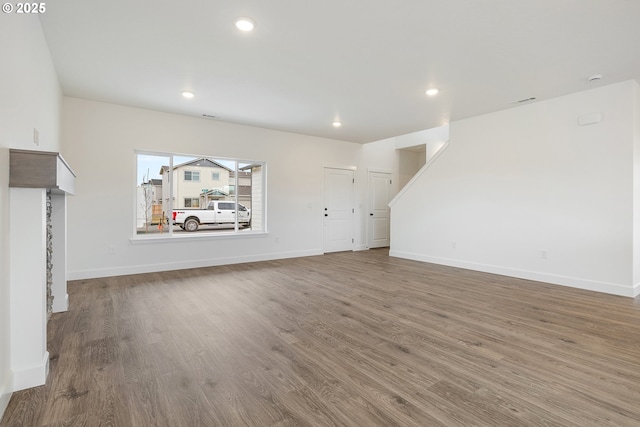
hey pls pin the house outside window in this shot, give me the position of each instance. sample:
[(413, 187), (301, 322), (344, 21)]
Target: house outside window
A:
[(181, 181)]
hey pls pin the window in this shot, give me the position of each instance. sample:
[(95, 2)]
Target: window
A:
[(191, 176), (196, 195), (191, 202)]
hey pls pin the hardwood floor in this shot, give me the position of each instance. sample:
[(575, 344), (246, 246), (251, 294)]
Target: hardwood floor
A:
[(347, 339)]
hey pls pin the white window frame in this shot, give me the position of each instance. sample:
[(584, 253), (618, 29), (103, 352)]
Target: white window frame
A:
[(169, 235)]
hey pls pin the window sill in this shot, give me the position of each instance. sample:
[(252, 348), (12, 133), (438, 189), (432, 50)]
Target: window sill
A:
[(139, 240)]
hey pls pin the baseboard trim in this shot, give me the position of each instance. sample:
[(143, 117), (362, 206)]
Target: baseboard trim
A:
[(182, 265), (636, 290), (574, 282), (59, 307), (32, 376), (6, 390)]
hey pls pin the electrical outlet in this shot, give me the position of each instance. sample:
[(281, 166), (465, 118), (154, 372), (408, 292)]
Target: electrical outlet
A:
[(112, 250), (454, 245), (543, 254), (36, 136)]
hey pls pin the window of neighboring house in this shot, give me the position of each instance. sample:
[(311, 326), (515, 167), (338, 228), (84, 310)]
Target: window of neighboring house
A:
[(217, 204), (192, 176), (191, 202)]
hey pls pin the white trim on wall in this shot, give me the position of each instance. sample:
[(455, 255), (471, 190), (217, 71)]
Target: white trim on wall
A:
[(333, 166), (419, 174), (31, 376), (379, 170), (182, 265), (573, 282), (6, 390)]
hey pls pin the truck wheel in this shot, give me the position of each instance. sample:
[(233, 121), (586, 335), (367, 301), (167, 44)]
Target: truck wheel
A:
[(191, 224)]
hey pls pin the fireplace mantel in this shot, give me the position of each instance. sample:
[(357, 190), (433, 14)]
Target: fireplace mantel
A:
[(40, 169)]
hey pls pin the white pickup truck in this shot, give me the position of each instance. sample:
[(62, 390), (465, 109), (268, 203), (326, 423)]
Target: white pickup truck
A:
[(218, 212)]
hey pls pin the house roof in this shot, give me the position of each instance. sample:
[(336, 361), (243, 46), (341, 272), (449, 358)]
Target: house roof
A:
[(250, 167), (153, 181), (215, 192), (365, 63), (202, 162)]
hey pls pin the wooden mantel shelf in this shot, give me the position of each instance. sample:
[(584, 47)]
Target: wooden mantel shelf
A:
[(40, 169)]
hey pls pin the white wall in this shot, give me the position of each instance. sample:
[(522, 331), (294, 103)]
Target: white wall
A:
[(527, 192), (100, 140), (636, 188), (29, 98), (410, 162)]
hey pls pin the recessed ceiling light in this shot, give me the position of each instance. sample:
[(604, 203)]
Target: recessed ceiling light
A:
[(188, 94), (432, 91), (337, 124), (245, 24)]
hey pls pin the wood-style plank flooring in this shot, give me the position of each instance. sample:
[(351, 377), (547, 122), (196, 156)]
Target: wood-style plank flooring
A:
[(346, 339)]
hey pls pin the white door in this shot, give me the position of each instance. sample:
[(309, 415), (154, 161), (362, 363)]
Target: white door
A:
[(379, 197), (338, 210)]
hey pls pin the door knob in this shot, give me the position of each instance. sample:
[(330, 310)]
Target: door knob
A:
[(326, 214), (370, 214)]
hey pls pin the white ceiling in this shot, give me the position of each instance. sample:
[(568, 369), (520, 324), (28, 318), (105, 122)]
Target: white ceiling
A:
[(365, 62)]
